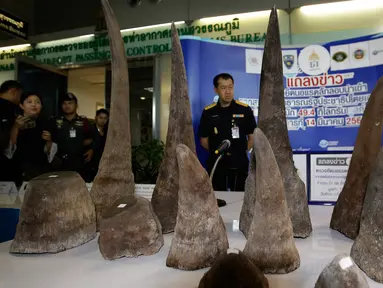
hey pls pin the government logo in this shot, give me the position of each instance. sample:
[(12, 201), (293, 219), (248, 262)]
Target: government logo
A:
[(253, 61), (339, 56), (314, 60), (289, 61), (359, 54)]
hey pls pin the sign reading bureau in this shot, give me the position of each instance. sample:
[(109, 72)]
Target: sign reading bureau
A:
[(13, 25)]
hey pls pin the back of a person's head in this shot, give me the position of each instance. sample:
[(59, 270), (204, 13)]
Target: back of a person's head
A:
[(233, 270), (10, 84)]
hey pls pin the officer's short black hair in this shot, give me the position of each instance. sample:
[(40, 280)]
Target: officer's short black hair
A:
[(102, 111), (224, 76), (69, 97), (10, 84)]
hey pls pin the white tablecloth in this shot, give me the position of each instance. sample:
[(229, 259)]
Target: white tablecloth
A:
[(84, 266)]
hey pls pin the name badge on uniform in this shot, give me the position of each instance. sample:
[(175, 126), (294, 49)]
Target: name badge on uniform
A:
[(235, 132), (72, 133)]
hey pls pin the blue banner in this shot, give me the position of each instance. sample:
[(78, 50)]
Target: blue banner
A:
[(326, 86)]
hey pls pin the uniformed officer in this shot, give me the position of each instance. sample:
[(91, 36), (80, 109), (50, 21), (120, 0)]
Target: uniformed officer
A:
[(10, 94), (71, 132), (228, 119)]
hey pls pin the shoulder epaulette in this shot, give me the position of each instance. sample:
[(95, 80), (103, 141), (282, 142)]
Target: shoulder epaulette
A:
[(210, 106), (242, 104)]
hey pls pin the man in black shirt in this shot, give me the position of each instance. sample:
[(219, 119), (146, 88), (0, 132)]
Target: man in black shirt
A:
[(72, 132), (101, 126), (10, 94), (231, 120)]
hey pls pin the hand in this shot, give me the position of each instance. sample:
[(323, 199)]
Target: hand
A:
[(20, 121), (47, 136), (87, 142), (89, 155)]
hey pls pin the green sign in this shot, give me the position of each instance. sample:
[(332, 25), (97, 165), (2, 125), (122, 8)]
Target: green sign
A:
[(96, 49)]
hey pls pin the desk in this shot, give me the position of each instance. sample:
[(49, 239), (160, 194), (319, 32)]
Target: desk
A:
[(84, 266)]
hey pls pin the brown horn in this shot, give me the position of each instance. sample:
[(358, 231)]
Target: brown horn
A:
[(347, 211), (272, 121), (115, 177), (180, 130)]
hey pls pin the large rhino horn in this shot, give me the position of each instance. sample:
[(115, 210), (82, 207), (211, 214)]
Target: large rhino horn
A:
[(115, 178)]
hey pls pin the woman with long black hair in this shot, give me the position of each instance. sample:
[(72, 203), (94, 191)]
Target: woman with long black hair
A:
[(31, 145)]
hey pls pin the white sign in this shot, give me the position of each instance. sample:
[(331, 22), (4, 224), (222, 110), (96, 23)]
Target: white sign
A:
[(328, 174), (300, 162)]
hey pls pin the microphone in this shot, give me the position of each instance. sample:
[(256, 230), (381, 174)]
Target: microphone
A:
[(223, 146)]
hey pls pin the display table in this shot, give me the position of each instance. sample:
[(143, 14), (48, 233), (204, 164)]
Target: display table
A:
[(84, 266)]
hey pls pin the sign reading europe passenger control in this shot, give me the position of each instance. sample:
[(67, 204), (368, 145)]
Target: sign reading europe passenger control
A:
[(13, 25)]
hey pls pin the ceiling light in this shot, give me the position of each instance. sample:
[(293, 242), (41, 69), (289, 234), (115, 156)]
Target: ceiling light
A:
[(150, 89), (143, 98), (15, 47), (152, 26), (341, 7), (231, 17), (86, 36)]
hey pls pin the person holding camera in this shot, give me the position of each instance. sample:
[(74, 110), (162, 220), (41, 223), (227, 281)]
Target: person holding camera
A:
[(30, 142)]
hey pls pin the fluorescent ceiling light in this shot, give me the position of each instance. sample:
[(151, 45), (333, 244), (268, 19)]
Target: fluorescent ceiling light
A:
[(86, 36), (152, 26), (143, 98), (231, 17), (15, 47), (341, 7)]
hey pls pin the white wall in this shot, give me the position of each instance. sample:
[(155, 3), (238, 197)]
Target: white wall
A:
[(337, 24), (164, 86), (88, 85), (7, 75)]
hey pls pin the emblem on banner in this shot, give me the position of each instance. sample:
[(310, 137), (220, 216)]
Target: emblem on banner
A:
[(339, 56), (288, 60), (314, 60), (253, 61), (359, 54), (376, 52), (323, 143)]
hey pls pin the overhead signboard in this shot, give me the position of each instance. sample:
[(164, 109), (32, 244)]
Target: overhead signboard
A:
[(13, 25)]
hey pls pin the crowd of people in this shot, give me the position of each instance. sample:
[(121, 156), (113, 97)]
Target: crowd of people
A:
[(31, 146)]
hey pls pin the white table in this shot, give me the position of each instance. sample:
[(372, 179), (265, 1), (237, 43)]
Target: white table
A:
[(84, 266)]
